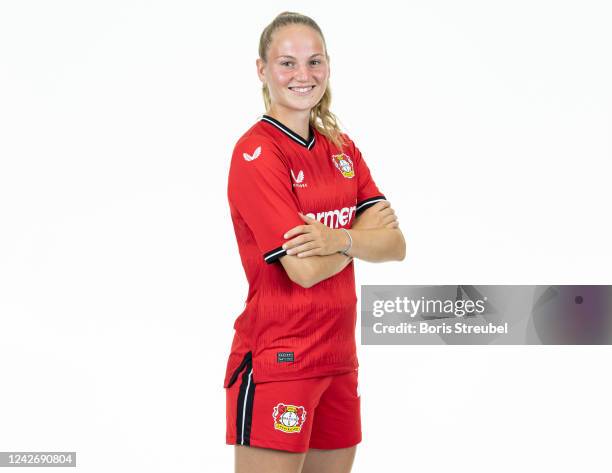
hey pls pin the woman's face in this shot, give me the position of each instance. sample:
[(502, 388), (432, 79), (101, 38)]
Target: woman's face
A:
[(297, 69)]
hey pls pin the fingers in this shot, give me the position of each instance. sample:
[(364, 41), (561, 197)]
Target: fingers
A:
[(297, 231), (394, 224), (306, 218), (299, 240), (383, 204), (299, 250), (377, 207), (387, 211), (314, 252), (389, 219)]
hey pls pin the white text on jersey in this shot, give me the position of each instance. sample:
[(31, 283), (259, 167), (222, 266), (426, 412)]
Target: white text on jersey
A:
[(334, 218)]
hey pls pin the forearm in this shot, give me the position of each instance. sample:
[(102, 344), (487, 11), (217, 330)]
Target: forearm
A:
[(378, 244), (309, 271)]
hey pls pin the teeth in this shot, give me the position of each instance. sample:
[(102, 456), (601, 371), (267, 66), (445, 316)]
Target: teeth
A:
[(301, 89)]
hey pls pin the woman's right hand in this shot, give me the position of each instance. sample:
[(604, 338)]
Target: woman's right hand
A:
[(380, 215)]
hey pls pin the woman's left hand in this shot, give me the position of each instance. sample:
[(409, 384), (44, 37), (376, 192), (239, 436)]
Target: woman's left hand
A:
[(314, 238)]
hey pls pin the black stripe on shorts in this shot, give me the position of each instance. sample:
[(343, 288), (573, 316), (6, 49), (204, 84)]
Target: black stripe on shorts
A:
[(244, 405)]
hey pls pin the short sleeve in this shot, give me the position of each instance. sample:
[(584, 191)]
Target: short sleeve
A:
[(259, 189), (367, 191)]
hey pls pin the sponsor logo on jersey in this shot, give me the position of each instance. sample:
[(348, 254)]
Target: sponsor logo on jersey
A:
[(288, 418), (334, 218), (298, 181), (344, 164), (255, 155)]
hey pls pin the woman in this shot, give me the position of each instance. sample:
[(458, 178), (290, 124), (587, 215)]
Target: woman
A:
[(296, 187)]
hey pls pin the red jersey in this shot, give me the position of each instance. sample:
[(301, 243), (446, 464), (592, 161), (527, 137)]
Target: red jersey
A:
[(290, 332)]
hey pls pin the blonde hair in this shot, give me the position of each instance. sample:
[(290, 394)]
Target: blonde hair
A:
[(321, 116)]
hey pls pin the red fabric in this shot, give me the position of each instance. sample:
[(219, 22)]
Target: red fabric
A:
[(271, 178), (322, 412)]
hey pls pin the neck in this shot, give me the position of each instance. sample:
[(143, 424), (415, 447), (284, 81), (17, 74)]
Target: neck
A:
[(298, 121)]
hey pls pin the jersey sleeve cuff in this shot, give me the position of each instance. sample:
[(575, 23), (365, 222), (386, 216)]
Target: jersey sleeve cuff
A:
[(274, 255), (366, 203)]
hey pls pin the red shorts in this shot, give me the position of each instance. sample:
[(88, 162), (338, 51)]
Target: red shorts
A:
[(294, 415)]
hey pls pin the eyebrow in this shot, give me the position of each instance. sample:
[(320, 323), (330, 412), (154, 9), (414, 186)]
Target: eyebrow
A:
[(291, 57)]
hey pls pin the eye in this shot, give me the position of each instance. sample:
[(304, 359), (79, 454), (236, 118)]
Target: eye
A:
[(286, 63), (315, 62)]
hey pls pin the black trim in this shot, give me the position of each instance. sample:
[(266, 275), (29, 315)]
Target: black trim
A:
[(274, 255), (309, 143), (367, 203), (245, 361), (247, 391)]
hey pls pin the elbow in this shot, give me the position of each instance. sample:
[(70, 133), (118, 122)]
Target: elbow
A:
[(402, 254), (307, 284), (303, 281), (401, 248), (303, 276)]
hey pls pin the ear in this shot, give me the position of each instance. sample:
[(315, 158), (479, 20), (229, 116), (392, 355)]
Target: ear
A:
[(260, 69)]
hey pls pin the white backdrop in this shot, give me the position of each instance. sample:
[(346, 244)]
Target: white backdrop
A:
[(486, 124)]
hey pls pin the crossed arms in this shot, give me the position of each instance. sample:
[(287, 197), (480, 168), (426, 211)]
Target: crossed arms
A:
[(313, 249)]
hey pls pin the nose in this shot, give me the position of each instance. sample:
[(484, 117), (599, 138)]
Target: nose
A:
[(301, 74)]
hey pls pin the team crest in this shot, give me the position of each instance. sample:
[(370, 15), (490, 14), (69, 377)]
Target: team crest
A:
[(344, 164), (289, 418)]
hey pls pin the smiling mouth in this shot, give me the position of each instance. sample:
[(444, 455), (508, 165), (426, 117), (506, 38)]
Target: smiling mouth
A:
[(302, 90)]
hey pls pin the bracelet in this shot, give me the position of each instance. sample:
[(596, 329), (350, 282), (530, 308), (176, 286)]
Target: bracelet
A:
[(349, 245)]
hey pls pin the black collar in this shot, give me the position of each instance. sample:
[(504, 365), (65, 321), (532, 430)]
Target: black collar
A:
[(290, 133)]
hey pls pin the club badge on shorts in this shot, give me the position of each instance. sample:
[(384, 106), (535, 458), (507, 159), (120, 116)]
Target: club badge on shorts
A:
[(344, 164), (288, 418)]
